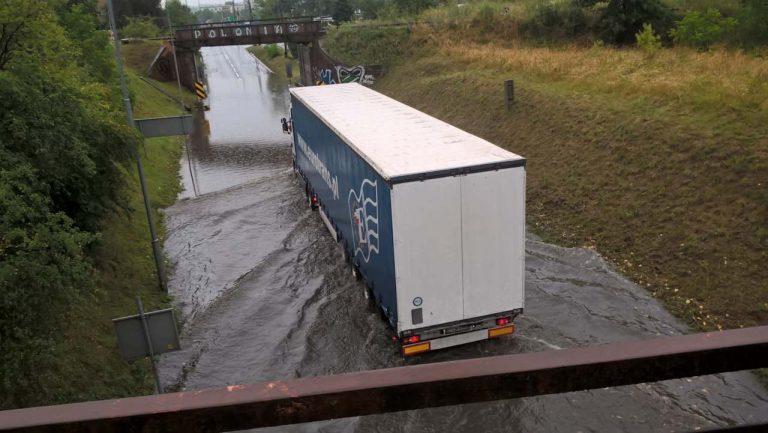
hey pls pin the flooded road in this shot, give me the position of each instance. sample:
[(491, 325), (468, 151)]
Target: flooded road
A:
[(266, 295)]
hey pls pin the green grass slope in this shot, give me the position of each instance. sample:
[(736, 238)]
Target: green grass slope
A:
[(90, 367), (658, 163)]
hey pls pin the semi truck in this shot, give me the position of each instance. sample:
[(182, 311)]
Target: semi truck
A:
[(430, 217)]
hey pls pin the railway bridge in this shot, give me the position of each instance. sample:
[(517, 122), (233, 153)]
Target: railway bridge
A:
[(317, 67)]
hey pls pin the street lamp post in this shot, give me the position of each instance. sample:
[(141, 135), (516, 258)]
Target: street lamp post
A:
[(140, 167)]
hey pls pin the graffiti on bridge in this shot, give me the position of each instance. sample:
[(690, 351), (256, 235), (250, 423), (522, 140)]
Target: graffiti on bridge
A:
[(343, 74)]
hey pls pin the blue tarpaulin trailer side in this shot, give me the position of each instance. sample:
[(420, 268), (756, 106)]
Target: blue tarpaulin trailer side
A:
[(354, 198)]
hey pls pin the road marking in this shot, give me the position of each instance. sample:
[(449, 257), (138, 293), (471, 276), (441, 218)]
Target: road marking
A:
[(231, 65)]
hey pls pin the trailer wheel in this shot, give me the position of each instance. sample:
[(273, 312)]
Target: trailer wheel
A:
[(344, 255)]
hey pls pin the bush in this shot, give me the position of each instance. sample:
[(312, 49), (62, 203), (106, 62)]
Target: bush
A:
[(413, 7), (484, 18), (648, 40), (272, 51), (701, 30), (753, 28), (76, 145), (621, 20), (369, 45), (43, 270), (557, 20), (140, 27)]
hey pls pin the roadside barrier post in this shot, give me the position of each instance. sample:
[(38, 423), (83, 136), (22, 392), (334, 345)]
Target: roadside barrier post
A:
[(509, 93)]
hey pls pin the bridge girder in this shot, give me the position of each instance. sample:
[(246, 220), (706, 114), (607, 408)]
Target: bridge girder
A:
[(248, 33)]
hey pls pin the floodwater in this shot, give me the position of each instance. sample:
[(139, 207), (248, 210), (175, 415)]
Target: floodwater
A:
[(266, 295)]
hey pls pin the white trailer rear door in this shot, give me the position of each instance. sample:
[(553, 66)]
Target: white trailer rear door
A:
[(426, 218), (493, 238)]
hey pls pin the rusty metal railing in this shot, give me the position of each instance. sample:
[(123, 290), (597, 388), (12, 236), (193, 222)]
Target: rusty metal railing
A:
[(406, 388)]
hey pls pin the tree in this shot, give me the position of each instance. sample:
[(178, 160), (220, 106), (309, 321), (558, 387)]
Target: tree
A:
[(64, 146), (342, 11), (77, 144), (180, 14), (20, 24), (79, 19), (702, 29), (125, 9), (205, 15), (370, 8), (623, 19), (754, 23), (140, 27), (42, 271), (412, 7)]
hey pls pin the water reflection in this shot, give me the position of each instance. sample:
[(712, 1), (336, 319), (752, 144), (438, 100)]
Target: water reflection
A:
[(239, 140)]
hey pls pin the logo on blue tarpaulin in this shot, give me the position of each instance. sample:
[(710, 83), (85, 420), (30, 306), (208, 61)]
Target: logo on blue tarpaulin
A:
[(322, 170), (364, 214)]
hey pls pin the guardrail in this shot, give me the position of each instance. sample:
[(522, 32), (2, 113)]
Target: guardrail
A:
[(407, 388)]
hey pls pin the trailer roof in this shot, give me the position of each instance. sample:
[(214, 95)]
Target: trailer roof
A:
[(399, 141)]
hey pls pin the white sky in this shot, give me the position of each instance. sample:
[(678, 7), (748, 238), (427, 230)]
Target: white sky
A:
[(194, 3)]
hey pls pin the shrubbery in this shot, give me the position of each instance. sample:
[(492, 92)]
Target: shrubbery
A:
[(621, 20), (558, 20), (753, 24), (614, 21), (618, 22), (272, 51), (648, 40), (140, 27), (702, 29), (42, 271), (63, 143)]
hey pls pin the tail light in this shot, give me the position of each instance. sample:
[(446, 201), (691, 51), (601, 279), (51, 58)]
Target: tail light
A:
[(502, 321), (314, 199), (412, 339)]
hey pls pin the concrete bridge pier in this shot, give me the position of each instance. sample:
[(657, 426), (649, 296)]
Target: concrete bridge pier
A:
[(164, 69)]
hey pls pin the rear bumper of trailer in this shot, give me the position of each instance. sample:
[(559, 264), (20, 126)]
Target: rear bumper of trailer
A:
[(457, 339)]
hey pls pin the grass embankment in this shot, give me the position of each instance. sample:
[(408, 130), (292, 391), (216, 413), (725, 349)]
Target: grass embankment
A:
[(90, 367), (276, 61), (658, 163), (138, 56)]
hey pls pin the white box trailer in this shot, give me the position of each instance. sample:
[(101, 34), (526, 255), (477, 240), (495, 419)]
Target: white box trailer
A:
[(432, 218)]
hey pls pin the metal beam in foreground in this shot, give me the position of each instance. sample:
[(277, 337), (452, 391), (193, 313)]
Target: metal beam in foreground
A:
[(405, 388)]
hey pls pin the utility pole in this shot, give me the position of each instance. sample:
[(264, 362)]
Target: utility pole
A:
[(140, 167)]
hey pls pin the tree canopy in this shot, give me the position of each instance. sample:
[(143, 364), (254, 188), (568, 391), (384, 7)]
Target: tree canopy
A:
[(125, 9), (63, 148), (179, 13)]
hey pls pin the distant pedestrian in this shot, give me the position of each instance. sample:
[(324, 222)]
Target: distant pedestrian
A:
[(286, 127)]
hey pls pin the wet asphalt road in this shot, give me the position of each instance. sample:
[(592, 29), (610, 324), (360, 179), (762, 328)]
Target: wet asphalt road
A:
[(266, 295)]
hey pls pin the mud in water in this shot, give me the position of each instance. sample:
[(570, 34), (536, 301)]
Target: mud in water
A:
[(266, 295)]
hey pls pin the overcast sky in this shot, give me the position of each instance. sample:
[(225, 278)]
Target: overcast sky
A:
[(194, 3)]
